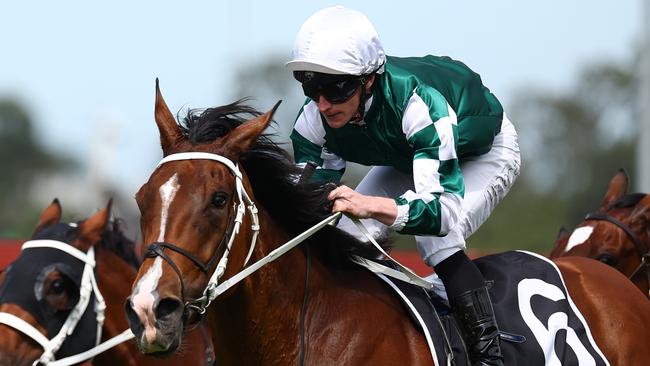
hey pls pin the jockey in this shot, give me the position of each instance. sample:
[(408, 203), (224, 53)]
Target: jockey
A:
[(442, 151)]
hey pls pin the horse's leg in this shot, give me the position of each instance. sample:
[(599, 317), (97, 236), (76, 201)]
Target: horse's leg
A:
[(616, 312)]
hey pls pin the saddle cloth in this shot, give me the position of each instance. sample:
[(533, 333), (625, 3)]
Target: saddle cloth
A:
[(539, 322)]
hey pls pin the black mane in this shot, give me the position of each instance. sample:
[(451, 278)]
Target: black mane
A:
[(628, 200), (114, 239), (273, 175)]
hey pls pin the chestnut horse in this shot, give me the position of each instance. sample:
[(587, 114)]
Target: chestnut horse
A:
[(617, 234), (40, 293), (309, 305)]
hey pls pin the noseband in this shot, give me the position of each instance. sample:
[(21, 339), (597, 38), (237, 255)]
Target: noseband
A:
[(641, 249), (244, 201)]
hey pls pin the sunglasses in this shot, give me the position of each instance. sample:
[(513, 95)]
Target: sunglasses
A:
[(334, 88)]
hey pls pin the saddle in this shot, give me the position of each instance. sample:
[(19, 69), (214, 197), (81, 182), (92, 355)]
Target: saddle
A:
[(535, 313)]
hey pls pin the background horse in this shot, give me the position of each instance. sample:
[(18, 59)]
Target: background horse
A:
[(311, 305), (617, 234), (44, 289)]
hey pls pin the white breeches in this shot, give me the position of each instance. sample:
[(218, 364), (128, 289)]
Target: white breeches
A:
[(487, 177)]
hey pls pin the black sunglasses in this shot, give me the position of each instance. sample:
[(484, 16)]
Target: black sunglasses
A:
[(335, 88)]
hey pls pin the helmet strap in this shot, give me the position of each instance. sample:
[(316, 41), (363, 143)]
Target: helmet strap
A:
[(362, 100)]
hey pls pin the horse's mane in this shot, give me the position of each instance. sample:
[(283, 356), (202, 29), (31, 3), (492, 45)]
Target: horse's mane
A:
[(296, 206), (628, 200), (114, 240)]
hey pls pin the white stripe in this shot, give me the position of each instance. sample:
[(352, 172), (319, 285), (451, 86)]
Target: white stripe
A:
[(450, 209), (447, 149), (309, 124), (452, 115), (402, 217), (167, 193), (572, 304), (416, 116), (578, 237), (331, 161), (411, 196), (426, 177)]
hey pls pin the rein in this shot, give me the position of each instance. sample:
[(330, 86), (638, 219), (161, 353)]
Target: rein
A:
[(87, 288), (214, 288), (641, 249)]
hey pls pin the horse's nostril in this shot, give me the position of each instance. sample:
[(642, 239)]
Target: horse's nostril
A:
[(134, 321), (166, 307)]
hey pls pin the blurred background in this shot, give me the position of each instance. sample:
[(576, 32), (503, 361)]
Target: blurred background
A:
[(77, 93)]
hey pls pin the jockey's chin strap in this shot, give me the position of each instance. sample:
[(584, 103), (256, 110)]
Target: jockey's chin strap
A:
[(87, 288)]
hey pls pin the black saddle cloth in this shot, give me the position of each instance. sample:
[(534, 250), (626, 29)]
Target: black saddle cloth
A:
[(535, 313)]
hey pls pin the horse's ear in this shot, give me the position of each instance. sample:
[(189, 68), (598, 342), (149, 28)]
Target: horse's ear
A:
[(560, 243), (239, 140), (617, 189), (170, 133), (640, 217), (50, 216), (91, 229), (562, 234)]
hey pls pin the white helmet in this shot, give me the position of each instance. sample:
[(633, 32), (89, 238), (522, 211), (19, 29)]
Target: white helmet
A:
[(338, 40)]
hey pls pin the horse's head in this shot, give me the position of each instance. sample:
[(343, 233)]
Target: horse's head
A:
[(618, 233), (191, 210), (48, 291)]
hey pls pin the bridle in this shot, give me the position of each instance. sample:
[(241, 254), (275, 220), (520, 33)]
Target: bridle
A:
[(213, 287), (244, 202), (642, 250), (87, 288)]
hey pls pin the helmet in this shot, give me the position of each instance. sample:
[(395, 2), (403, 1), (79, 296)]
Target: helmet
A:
[(338, 40)]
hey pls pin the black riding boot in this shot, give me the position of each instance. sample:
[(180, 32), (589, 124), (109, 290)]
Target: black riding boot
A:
[(473, 310)]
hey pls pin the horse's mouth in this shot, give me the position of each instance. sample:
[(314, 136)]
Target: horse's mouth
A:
[(160, 348)]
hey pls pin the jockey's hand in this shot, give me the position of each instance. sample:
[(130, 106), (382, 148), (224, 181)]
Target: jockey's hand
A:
[(347, 200)]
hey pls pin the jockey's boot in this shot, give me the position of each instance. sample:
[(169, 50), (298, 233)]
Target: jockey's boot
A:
[(475, 317)]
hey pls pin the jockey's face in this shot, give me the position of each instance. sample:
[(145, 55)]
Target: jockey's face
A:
[(339, 114)]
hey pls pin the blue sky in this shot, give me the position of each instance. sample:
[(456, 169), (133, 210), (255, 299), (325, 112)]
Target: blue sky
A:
[(82, 67)]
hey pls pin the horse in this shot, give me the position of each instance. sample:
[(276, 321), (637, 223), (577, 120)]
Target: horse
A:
[(40, 291), (306, 305), (617, 234)]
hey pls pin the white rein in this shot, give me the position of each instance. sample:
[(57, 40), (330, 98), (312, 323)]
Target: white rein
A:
[(214, 288)]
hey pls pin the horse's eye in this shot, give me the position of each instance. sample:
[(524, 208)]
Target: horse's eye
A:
[(57, 288), (219, 200), (608, 259)]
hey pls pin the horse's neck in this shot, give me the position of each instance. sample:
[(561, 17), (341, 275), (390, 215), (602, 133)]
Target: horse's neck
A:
[(258, 322), (112, 274), (266, 305)]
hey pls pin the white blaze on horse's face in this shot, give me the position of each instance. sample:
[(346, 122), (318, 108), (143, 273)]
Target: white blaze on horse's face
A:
[(145, 295), (578, 237), (167, 193)]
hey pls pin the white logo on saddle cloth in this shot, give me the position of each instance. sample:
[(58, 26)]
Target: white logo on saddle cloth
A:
[(545, 334)]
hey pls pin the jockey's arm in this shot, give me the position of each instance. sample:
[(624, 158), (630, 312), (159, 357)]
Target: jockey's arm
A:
[(431, 129)]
